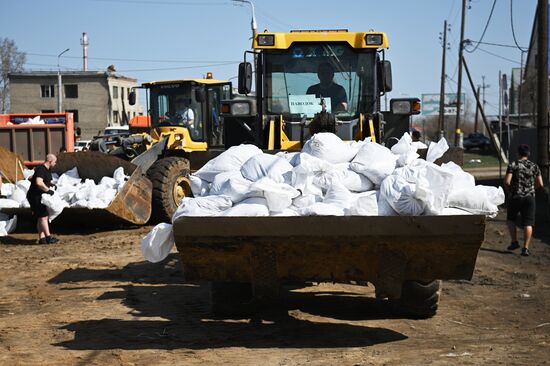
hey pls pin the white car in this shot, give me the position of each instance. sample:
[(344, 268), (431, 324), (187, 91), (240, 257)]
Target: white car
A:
[(82, 144)]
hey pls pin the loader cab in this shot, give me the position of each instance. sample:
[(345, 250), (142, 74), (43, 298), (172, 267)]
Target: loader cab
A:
[(302, 75), (190, 108)]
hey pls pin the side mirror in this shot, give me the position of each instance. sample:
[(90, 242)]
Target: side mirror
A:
[(384, 76), (132, 98), (200, 95), (245, 78)]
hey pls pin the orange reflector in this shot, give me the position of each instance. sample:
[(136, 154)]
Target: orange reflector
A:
[(209, 75), (226, 108), (417, 106)]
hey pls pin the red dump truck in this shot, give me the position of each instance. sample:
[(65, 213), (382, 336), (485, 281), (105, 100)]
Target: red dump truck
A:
[(33, 141)]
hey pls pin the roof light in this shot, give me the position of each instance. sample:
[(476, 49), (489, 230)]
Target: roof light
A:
[(266, 40), (209, 75), (373, 39)]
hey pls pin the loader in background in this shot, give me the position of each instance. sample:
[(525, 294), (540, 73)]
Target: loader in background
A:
[(171, 148), (249, 258)]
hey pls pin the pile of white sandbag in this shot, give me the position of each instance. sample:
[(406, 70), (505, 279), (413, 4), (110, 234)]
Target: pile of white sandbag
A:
[(70, 191), (329, 177)]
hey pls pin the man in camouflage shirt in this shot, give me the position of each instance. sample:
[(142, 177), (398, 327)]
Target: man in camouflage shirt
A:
[(522, 177)]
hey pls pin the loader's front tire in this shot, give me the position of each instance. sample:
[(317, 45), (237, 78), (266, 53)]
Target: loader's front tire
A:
[(419, 299), (170, 178)]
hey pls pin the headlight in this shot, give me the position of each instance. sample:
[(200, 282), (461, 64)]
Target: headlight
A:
[(373, 39), (266, 40), (405, 106), (240, 109), (178, 137)]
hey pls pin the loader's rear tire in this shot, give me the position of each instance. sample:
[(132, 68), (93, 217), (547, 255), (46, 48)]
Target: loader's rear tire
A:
[(419, 299), (170, 178), (231, 298)]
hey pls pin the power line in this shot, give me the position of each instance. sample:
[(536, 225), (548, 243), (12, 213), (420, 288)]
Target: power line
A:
[(491, 44), (486, 26), (164, 2), (512, 24), (499, 56), (131, 59)]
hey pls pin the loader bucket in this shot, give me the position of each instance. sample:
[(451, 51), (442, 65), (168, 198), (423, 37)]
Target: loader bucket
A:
[(376, 249), (132, 205)]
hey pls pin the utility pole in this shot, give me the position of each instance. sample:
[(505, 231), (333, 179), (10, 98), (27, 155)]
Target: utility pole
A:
[(460, 57), (483, 87), (477, 110), (442, 88), (542, 87)]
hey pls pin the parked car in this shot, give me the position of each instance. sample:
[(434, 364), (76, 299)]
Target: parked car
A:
[(477, 140), (81, 145)]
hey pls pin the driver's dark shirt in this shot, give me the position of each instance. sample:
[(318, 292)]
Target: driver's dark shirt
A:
[(335, 92)]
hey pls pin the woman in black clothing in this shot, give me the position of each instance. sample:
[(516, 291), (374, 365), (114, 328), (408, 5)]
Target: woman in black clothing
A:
[(41, 182)]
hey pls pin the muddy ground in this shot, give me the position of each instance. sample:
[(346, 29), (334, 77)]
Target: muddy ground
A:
[(92, 300)]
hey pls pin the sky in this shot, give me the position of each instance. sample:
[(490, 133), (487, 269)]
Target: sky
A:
[(177, 39)]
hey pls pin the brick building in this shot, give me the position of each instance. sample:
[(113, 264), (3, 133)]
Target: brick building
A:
[(97, 99)]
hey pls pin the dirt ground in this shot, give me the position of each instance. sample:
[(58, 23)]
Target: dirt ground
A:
[(92, 300)]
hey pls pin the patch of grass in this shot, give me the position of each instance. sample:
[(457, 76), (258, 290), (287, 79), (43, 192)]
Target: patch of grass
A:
[(479, 160)]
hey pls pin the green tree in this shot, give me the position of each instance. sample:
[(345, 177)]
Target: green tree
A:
[(11, 60)]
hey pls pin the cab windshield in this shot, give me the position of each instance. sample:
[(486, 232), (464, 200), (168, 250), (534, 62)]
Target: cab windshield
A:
[(300, 78), (175, 105)]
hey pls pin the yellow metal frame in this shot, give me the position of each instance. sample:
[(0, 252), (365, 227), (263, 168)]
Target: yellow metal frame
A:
[(184, 142), (283, 40)]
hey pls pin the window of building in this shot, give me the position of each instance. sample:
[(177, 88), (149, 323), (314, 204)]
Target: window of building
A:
[(115, 92), (47, 91), (71, 90), (47, 111), (75, 114), (115, 117)]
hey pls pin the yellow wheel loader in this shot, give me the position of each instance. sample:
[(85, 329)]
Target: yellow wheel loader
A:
[(185, 120), (404, 257)]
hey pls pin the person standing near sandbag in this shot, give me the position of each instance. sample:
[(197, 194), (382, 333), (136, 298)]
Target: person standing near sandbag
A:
[(522, 178), (41, 182)]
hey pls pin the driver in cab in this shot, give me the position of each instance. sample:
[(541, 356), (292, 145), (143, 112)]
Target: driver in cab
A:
[(327, 88), (184, 114)]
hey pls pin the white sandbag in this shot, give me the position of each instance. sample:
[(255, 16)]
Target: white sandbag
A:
[(24, 185), (108, 182), (461, 179), (80, 204), (329, 147), (199, 187), (8, 203), (69, 178), (306, 200), (67, 192), (233, 185), (156, 245), (338, 195), (202, 206), (287, 212), (54, 205), (436, 150), (384, 208), (321, 209), (120, 177), (309, 173), (255, 206), (406, 159), (278, 195), (96, 203), (18, 195), (356, 182), (374, 161), (412, 171), (479, 200), (452, 211), (400, 194), (231, 159), (28, 173), (7, 189), (403, 146), (366, 204), (106, 195), (7, 225), (433, 188), (288, 156), (267, 165)]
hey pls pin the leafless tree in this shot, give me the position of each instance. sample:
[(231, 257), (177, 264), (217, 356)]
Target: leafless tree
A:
[(11, 60)]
